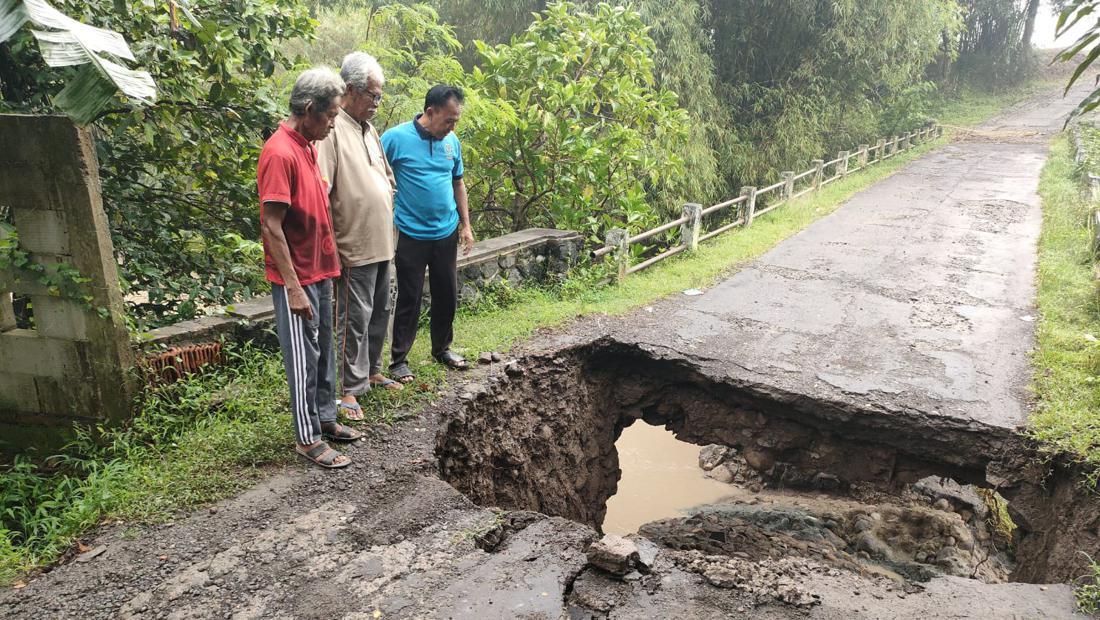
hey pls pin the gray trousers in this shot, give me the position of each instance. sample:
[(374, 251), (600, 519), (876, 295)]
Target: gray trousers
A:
[(362, 316), (309, 359)]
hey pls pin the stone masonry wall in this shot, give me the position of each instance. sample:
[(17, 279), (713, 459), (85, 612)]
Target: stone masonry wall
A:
[(529, 256)]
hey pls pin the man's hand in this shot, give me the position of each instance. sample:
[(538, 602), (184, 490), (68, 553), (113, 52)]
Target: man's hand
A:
[(466, 238), (299, 303)]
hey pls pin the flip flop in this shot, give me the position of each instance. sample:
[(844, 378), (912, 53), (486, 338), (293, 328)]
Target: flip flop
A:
[(323, 456), (388, 384), (453, 360), (351, 411), (339, 432), (403, 374)]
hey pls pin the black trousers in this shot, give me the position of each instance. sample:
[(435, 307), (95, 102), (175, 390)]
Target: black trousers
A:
[(413, 256)]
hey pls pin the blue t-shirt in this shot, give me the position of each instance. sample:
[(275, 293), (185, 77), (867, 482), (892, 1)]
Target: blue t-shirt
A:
[(425, 169)]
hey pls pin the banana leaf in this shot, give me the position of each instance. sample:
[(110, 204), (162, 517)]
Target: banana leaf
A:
[(65, 42)]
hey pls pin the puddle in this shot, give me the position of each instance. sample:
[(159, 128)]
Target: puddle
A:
[(660, 479)]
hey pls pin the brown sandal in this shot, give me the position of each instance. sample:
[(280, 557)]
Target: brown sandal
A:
[(321, 454), (334, 431)]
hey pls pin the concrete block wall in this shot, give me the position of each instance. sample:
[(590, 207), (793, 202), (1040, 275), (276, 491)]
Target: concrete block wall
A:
[(73, 364)]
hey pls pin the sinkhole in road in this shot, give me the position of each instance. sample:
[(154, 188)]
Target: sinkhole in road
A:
[(906, 495)]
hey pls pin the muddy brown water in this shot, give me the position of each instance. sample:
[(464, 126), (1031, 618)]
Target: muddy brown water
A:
[(660, 478)]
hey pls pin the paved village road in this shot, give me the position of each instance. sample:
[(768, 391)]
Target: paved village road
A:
[(916, 297)]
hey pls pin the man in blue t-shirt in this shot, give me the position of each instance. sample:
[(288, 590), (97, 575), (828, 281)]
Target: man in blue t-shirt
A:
[(432, 218)]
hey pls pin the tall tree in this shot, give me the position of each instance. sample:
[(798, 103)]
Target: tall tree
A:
[(804, 78), (994, 42), (683, 65), (179, 175), (566, 126)]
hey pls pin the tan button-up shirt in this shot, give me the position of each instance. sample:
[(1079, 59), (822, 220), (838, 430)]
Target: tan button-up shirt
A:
[(361, 191)]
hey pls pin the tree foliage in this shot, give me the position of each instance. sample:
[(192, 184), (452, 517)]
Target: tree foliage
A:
[(808, 78), (995, 43), (578, 115), (1084, 50), (568, 128), (179, 176), (416, 51)]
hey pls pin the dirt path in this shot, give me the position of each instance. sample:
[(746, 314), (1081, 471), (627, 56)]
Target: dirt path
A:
[(901, 316)]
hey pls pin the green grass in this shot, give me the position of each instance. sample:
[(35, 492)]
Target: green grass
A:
[(1067, 382), (212, 435), (971, 106), (1088, 595), (1090, 143)]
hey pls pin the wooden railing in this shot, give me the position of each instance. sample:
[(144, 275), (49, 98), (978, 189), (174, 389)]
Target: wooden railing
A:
[(690, 223)]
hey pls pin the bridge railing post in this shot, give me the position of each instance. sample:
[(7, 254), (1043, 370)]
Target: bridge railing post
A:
[(788, 183), (749, 192), (617, 239), (689, 230), (819, 173)]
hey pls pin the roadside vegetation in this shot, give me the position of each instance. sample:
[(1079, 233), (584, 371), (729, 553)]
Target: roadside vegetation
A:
[(1067, 382), (216, 433), (1066, 419)]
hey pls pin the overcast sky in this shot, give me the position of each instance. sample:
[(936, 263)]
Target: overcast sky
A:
[(1044, 29)]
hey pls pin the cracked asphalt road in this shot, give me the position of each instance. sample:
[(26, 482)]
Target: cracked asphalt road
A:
[(915, 297)]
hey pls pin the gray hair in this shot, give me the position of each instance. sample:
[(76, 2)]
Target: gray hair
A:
[(360, 68), (319, 86)]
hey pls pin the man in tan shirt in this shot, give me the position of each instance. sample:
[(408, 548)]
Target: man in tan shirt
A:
[(361, 191)]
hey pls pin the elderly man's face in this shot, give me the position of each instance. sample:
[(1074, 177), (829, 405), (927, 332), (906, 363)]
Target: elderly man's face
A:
[(442, 120), (316, 125), (362, 104)]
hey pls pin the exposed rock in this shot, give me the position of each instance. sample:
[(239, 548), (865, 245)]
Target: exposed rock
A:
[(946, 494), (513, 369), (720, 473), (614, 554), (485, 358), (721, 576), (91, 553), (647, 553), (712, 456), (825, 482), (866, 541), (765, 580)]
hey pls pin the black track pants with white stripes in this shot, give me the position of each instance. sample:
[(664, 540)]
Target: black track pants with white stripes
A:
[(309, 358)]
